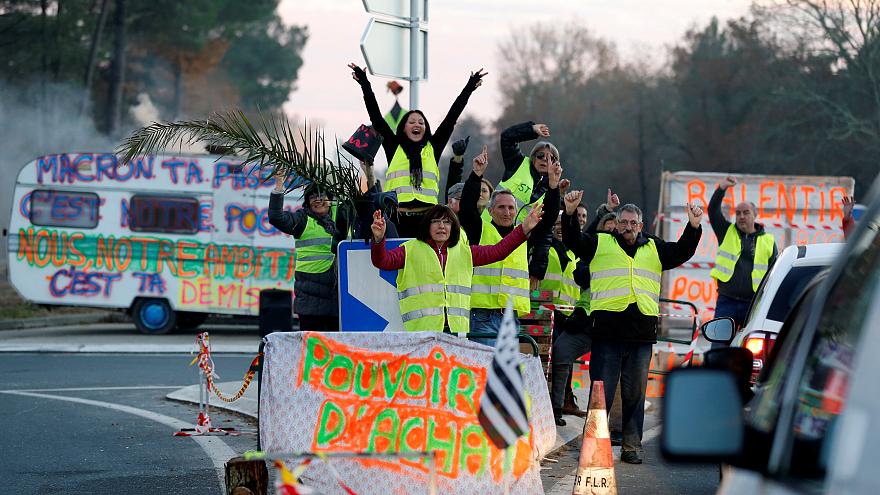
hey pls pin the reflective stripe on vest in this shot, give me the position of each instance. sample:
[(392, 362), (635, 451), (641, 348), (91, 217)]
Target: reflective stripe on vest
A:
[(561, 282), (313, 249), (429, 298), (397, 178), (616, 280), (729, 252), (507, 279)]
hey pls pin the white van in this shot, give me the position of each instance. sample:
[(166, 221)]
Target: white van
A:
[(170, 238)]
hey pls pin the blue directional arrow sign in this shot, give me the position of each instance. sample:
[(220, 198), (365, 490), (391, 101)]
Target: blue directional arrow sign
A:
[(367, 295)]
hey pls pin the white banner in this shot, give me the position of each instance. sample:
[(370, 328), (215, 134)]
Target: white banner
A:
[(396, 392)]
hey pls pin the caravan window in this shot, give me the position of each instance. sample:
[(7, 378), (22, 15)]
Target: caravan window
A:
[(64, 209), (165, 214)]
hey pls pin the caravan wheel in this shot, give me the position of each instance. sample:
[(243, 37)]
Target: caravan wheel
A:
[(153, 316)]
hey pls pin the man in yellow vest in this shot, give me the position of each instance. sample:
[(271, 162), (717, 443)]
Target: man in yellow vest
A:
[(745, 253), (625, 271), (494, 284)]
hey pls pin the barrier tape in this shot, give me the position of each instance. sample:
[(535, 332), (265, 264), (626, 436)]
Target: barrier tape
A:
[(778, 225), (206, 363)]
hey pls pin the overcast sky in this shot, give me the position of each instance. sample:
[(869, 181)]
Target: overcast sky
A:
[(464, 35)]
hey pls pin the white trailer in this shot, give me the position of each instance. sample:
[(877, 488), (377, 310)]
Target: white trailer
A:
[(170, 238), (795, 209)]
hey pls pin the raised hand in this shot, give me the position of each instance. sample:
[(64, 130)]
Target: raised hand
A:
[(460, 146), (541, 130), (564, 184), (476, 78), (849, 203), (572, 200), (695, 214), (481, 161), (279, 180), (611, 200), (533, 218), (554, 173), (378, 226), (728, 181), (357, 73)]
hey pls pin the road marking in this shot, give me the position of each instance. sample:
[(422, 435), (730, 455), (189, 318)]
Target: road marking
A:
[(564, 486), (216, 448), (90, 389)]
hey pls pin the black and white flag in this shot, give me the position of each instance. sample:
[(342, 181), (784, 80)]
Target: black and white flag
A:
[(503, 404)]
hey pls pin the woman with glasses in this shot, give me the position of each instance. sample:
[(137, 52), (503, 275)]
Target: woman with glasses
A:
[(526, 176), (436, 268), (412, 151), (317, 229)]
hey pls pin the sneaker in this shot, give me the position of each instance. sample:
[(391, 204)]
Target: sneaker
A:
[(630, 457), (616, 438)]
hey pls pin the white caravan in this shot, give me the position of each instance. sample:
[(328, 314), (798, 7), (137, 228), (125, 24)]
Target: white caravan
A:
[(170, 238)]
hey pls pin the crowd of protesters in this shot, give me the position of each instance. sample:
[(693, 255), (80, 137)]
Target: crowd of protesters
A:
[(491, 245)]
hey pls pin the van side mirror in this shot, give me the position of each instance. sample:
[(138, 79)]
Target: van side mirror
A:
[(720, 330), (702, 416)]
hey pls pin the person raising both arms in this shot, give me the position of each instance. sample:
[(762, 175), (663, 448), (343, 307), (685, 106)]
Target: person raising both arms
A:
[(436, 268), (412, 151)]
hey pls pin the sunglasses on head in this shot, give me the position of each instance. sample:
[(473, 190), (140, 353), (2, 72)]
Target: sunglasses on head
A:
[(541, 154)]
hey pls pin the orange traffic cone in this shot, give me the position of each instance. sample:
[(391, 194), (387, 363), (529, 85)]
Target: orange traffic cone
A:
[(595, 474)]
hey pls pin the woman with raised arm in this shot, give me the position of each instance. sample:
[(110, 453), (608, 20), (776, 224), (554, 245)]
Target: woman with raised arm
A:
[(436, 268), (412, 151), (317, 229)]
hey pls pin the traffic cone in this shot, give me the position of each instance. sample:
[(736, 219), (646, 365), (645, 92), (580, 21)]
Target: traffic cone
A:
[(595, 474)]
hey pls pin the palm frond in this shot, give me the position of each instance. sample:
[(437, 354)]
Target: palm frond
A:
[(271, 146)]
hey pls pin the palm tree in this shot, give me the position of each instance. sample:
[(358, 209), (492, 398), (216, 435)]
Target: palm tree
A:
[(300, 157)]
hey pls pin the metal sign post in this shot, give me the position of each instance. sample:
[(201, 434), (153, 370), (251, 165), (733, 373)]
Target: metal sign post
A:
[(413, 54)]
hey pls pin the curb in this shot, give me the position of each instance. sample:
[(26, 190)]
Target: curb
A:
[(245, 406), (72, 319)]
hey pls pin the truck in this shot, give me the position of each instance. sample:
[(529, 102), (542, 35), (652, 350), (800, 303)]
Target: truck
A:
[(168, 238), (796, 209)]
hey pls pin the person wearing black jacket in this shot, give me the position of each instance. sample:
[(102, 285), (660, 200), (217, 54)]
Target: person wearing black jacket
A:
[(317, 234), (412, 151), (735, 294), (526, 176), (625, 272), (489, 319)]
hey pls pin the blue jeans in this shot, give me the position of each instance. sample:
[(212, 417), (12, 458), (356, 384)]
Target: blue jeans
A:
[(732, 308), (629, 363), (486, 321)]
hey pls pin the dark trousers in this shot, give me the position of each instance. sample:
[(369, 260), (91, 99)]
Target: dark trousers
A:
[(731, 308), (628, 363), (323, 323), (571, 341)]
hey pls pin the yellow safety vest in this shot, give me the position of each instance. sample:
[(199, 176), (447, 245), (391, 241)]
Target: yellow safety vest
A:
[(397, 177), (520, 184), (616, 280), (429, 297), (509, 278), (561, 283), (314, 249), (729, 251)]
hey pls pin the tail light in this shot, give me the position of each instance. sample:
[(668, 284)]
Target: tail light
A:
[(760, 343)]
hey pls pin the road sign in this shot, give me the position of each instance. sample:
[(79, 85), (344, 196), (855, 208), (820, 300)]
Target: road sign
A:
[(367, 295), (397, 8), (385, 45)]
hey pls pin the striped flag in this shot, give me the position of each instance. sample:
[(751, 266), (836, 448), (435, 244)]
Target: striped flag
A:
[(503, 404)]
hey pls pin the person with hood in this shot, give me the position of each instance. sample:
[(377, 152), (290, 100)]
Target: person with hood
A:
[(412, 151), (745, 253), (436, 269), (526, 176), (317, 229)]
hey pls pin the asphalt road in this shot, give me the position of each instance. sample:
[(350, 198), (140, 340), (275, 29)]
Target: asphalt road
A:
[(100, 423)]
